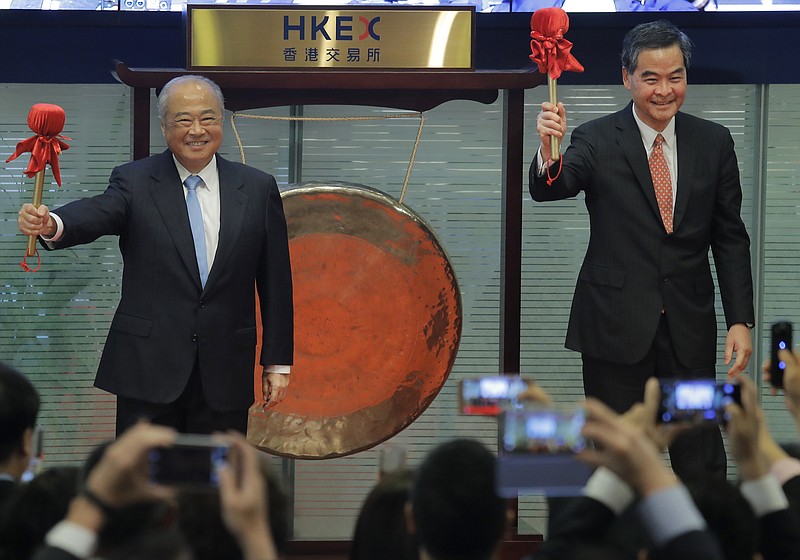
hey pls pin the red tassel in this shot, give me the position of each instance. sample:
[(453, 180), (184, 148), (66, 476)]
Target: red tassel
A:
[(554, 177)]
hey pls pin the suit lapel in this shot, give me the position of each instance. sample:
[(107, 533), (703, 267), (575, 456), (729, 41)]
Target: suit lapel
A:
[(629, 139), (687, 161), (167, 193), (232, 205)]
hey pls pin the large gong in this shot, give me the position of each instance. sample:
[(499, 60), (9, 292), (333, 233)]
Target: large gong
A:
[(377, 323)]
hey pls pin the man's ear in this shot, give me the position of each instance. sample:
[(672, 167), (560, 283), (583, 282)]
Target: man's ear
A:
[(626, 78), (27, 443), (408, 512)]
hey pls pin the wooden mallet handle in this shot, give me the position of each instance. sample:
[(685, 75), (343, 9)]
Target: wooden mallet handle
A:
[(38, 187), (551, 88)]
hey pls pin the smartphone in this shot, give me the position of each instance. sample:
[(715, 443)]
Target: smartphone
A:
[(696, 400), (542, 430), (781, 340), (192, 461), (489, 396)]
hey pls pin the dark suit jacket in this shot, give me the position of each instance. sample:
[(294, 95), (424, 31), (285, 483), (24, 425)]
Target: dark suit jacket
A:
[(633, 268), (164, 317), (45, 552), (588, 522)]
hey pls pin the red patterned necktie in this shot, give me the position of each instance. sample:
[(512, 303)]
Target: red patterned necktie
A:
[(662, 182)]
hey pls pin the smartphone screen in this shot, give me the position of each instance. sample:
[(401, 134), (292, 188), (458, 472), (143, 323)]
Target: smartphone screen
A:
[(542, 431), (489, 396), (696, 400), (192, 461), (781, 339)]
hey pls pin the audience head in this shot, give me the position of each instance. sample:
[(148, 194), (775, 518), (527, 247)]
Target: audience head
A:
[(37, 506), (456, 512), (381, 530), (19, 407), (130, 521), (728, 515), (200, 519)]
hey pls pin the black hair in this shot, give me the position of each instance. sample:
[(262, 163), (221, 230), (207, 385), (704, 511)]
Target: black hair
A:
[(658, 34), (381, 530), (457, 512), (19, 407), (35, 509), (200, 519)]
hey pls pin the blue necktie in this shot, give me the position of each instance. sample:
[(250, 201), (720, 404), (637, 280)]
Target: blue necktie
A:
[(196, 222)]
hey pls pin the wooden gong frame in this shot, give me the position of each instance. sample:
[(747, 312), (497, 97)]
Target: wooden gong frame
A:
[(409, 90)]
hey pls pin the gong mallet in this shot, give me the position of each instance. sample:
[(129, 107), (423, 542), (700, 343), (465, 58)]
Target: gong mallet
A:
[(47, 122), (551, 52)]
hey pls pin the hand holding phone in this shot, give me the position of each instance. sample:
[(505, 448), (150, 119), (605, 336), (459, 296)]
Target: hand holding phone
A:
[(192, 461), (781, 339), (489, 396), (542, 430), (696, 401)]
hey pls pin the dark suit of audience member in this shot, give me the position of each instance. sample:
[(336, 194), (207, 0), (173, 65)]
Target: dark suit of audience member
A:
[(644, 299), (589, 524), (181, 347)]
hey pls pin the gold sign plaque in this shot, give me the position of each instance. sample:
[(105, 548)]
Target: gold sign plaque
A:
[(351, 38)]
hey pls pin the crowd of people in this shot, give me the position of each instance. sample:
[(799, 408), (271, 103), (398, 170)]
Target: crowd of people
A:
[(633, 506)]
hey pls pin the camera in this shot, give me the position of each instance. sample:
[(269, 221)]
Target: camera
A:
[(489, 396), (781, 340), (542, 431), (192, 461), (696, 400)]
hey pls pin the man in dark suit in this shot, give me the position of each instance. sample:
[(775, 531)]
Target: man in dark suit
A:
[(198, 235), (644, 300)]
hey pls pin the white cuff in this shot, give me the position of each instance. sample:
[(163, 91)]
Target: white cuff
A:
[(73, 538), (542, 163), (284, 370), (609, 489), (765, 495), (59, 231)]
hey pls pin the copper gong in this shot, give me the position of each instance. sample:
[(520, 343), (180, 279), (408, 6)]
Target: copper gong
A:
[(377, 323)]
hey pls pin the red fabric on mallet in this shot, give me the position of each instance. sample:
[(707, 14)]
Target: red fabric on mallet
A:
[(549, 48), (47, 122)]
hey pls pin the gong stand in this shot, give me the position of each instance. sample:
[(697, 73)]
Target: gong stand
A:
[(409, 90)]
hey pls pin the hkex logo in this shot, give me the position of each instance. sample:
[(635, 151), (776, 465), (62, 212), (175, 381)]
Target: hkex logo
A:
[(325, 27)]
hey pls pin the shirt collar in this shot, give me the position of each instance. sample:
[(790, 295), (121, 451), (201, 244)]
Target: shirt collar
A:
[(649, 134), (206, 174)]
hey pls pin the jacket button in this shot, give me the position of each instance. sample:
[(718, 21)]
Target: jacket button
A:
[(665, 278), (194, 337)]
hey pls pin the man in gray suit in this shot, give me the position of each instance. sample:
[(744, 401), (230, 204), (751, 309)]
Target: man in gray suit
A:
[(644, 300), (198, 235)]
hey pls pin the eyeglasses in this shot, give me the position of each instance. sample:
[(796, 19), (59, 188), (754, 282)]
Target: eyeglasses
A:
[(188, 122)]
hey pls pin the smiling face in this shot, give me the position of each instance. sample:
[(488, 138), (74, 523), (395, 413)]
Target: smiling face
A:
[(658, 85), (193, 124)]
